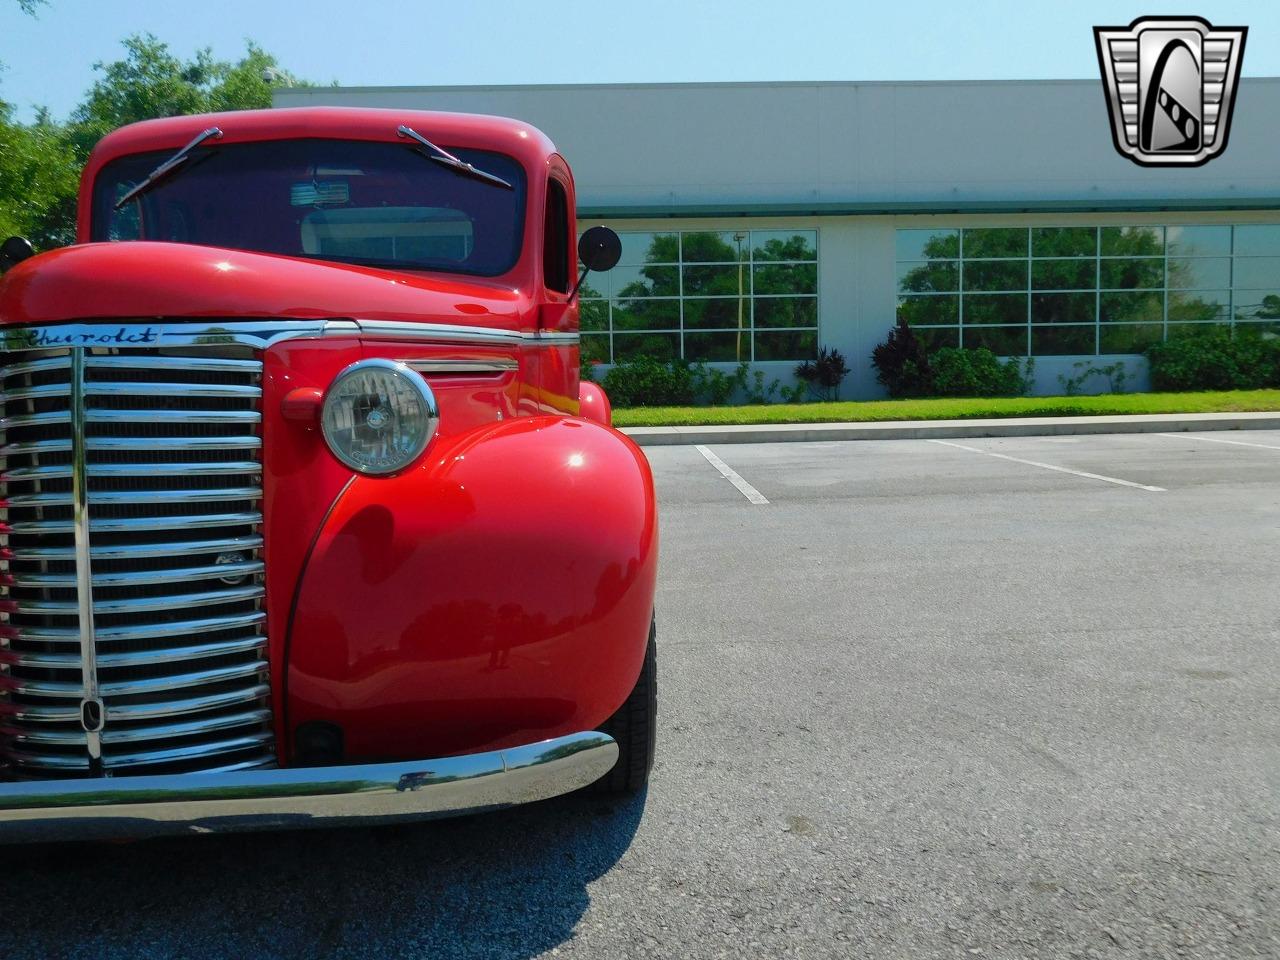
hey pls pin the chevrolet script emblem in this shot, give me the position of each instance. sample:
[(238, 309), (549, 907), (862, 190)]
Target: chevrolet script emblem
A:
[(1171, 84)]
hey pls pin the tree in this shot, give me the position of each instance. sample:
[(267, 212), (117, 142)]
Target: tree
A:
[(38, 181), (37, 172), (151, 82)]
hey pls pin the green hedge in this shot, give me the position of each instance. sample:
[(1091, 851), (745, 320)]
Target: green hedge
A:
[(963, 372), (1216, 359)]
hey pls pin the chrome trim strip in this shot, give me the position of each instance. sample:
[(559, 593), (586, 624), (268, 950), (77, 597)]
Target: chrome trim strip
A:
[(199, 651), (47, 761), (186, 728), (138, 735), (83, 809), (112, 388), (245, 741), (177, 708), (438, 332), (92, 713), (182, 681), (195, 521), (456, 333), (148, 631), (135, 443), (177, 601), (126, 334), (134, 551), (260, 334), (36, 366), (145, 577), (139, 496), (134, 416), (214, 469), (462, 366), (173, 416), (60, 738), (40, 714), (63, 690), (185, 364)]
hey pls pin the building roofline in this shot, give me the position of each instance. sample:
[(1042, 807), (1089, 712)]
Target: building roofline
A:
[(837, 208), (693, 85)]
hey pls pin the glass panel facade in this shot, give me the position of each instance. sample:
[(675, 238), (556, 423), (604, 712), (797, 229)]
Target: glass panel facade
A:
[(708, 295), (1058, 290)]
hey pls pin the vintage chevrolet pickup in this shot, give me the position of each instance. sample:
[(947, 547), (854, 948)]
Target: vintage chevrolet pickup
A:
[(306, 515)]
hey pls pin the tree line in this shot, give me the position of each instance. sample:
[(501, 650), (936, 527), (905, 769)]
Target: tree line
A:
[(41, 161)]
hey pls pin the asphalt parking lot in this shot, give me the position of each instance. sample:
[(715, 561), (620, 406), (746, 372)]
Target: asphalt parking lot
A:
[(998, 698)]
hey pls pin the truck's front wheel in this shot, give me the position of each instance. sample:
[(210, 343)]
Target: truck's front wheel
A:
[(634, 726)]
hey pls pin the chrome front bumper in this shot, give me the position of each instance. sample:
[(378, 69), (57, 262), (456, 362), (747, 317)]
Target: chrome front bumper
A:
[(133, 807)]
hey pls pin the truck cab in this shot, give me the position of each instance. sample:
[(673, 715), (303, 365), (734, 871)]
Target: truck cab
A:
[(300, 479)]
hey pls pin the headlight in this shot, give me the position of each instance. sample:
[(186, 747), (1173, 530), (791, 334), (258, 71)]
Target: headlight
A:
[(379, 416)]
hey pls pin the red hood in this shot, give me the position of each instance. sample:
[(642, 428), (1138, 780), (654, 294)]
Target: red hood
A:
[(141, 279)]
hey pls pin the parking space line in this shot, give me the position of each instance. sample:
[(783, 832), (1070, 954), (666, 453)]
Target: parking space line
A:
[(1238, 443), (746, 489), (1050, 466)]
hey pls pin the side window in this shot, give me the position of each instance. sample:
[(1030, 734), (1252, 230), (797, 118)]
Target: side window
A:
[(555, 248)]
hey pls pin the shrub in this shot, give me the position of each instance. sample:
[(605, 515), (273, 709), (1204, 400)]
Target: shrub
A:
[(1215, 359), (824, 375), (1116, 374), (649, 382), (586, 367), (716, 387), (958, 372), (902, 364)]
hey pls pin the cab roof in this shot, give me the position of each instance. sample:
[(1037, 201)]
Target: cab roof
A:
[(516, 138)]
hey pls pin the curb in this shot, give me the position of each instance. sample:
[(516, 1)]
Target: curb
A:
[(951, 429)]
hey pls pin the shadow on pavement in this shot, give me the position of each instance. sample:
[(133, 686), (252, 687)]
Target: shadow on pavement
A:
[(506, 885)]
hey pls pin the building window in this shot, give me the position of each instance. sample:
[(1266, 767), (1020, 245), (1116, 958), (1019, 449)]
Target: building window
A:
[(706, 295), (1046, 291)]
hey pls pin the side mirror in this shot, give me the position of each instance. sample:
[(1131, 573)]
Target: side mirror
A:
[(599, 249), (13, 251)]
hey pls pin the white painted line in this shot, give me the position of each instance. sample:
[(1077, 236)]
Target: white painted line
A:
[(1050, 466), (746, 489), (1238, 443)]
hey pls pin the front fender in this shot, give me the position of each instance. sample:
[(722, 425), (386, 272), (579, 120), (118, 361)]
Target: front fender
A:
[(498, 593), (593, 403)]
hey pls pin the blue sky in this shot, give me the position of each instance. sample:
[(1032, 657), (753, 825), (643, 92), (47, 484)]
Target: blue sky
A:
[(406, 42)]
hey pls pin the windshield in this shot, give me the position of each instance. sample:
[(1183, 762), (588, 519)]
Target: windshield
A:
[(379, 204)]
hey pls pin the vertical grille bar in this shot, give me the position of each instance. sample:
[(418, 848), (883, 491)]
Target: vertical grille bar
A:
[(92, 714)]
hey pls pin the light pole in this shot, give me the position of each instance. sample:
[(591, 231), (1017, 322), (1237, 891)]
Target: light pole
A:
[(738, 238)]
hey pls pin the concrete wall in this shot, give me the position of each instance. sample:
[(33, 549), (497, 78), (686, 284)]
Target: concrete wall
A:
[(659, 148)]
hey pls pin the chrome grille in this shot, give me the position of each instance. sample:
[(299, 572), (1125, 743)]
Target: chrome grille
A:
[(151, 605)]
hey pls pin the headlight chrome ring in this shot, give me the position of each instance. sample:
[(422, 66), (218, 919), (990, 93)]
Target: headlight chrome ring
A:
[(378, 416)]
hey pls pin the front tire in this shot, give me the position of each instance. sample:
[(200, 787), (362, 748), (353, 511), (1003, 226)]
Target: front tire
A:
[(635, 728)]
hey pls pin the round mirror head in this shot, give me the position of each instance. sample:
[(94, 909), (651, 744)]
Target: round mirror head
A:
[(14, 250), (599, 249)]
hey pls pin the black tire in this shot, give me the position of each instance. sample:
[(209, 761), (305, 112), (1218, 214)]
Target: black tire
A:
[(634, 726)]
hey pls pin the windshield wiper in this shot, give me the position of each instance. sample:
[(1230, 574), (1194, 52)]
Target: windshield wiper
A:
[(446, 158), (162, 171)]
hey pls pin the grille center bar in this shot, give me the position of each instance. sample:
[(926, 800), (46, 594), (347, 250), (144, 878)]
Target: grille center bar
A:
[(92, 710)]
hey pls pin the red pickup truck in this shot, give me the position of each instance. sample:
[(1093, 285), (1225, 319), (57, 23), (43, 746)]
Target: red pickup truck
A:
[(306, 514)]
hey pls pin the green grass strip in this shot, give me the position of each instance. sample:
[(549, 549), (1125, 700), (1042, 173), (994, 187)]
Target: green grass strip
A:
[(1225, 401)]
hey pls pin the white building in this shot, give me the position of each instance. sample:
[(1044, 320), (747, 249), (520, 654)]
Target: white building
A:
[(761, 220)]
